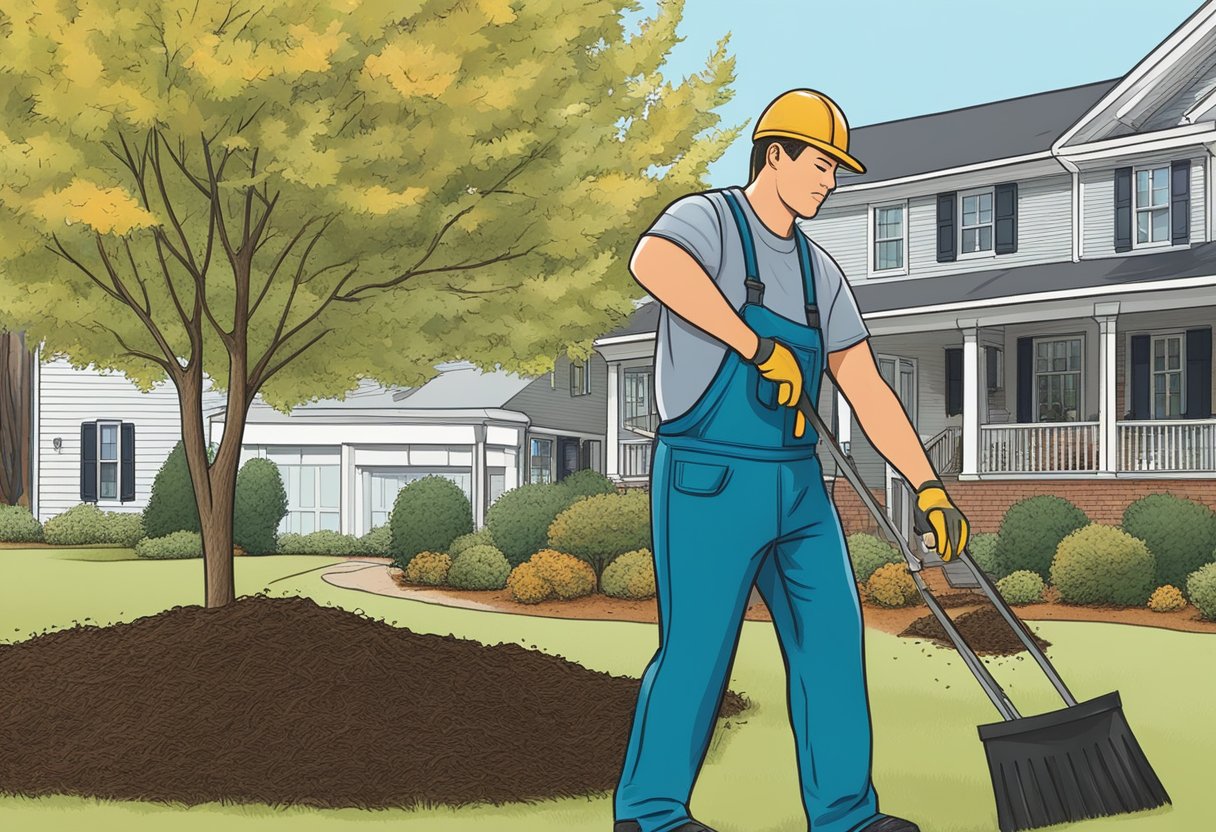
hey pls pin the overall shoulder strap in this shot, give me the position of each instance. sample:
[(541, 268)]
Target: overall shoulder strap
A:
[(808, 276), (745, 233)]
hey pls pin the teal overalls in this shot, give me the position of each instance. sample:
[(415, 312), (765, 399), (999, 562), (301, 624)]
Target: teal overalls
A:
[(737, 499)]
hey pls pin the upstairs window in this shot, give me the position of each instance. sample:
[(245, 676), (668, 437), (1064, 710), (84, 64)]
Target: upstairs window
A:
[(975, 222), (890, 238), (580, 378), (1152, 199)]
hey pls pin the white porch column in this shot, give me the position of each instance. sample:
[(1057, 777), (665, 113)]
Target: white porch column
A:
[(844, 422), (971, 397), (612, 464), (479, 476), (1108, 414), (346, 492)]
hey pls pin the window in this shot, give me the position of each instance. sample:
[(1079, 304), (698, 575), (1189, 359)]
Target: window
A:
[(541, 464), (580, 378), (1057, 379), (995, 368), (107, 460), (1152, 198), (312, 497), (1167, 376), (889, 238), (975, 226), (638, 401), (497, 476)]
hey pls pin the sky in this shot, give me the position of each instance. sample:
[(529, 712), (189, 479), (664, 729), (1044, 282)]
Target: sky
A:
[(889, 59)]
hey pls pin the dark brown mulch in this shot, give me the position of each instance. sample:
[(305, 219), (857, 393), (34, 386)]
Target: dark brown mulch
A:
[(281, 701), (985, 631)]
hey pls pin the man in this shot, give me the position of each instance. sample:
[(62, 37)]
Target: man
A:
[(751, 307)]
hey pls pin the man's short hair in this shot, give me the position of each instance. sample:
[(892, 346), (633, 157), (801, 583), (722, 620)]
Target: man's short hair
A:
[(792, 148)]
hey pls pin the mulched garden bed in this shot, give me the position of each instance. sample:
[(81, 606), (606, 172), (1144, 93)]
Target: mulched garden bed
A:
[(281, 701), (985, 631)]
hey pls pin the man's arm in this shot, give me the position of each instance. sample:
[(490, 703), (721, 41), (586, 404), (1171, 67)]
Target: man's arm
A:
[(675, 279)]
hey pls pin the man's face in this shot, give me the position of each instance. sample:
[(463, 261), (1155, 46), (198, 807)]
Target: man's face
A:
[(804, 183)]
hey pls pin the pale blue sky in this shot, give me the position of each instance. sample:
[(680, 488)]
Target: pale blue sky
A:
[(889, 59)]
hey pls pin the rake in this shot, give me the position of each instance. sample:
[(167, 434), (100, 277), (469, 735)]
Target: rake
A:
[(1081, 761)]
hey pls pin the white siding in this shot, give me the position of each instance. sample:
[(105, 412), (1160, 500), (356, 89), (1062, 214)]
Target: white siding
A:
[(1098, 200), (842, 232)]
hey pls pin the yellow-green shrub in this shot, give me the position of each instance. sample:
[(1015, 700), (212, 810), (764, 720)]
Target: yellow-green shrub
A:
[(429, 568), (892, 586), (527, 586), (630, 576), (1100, 564), (569, 576), (1167, 598)]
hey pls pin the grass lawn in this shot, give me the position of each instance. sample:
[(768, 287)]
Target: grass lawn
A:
[(929, 764)]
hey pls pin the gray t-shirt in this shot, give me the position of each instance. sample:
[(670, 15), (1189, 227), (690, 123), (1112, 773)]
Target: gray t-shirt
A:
[(686, 357)]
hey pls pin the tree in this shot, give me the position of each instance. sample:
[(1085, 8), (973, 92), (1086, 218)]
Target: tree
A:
[(290, 197)]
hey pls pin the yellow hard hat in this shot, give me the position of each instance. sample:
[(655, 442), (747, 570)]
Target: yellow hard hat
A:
[(811, 117)]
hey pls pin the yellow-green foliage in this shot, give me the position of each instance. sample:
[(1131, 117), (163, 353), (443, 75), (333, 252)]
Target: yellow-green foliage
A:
[(527, 586), (1021, 587), (891, 586), (630, 576), (1167, 598), (567, 575), (1100, 564), (429, 568)]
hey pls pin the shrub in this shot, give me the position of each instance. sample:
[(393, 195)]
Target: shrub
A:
[(429, 568), (124, 528), (630, 576), (982, 548), (322, 542), (1201, 588), (892, 586), (481, 537), (1099, 564), (479, 567), (428, 514), (1032, 530), (600, 528), (82, 524), (868, 552), (527, 586), (376, 542), (519, 520), (260, 505), (1166, 598), (179, 544), (1180, 533), (171, 505), (586, 482), (569, 577), (19, 525), (1021, 587)]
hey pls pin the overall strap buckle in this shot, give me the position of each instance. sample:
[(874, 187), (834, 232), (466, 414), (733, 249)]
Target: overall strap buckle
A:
[(808, 277), (755, 286)]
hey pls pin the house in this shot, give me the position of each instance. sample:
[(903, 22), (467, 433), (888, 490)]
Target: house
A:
[(1038, 275)]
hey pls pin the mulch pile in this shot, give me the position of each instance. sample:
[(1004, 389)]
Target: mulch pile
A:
[(985, 631), (281, 701)]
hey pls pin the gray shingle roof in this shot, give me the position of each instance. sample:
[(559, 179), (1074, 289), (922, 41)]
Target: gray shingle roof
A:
[(982, 133)]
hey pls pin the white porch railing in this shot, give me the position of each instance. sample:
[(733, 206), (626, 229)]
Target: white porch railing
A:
[(635, 459), (945, 450), (1174, 445), (1031, 448)]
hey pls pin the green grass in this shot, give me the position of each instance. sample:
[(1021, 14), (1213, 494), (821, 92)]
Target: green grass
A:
[(928, 761)]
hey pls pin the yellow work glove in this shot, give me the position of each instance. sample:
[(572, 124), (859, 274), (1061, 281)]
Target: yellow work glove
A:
[(941, 516), (777, 363)]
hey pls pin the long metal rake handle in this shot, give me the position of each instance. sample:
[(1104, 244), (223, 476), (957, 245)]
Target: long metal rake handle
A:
[(991, 687)]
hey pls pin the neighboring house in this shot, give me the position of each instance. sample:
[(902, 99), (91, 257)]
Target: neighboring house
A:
[(1039, 279)]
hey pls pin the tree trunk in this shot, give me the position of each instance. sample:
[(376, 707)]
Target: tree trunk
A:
[(16, 420)]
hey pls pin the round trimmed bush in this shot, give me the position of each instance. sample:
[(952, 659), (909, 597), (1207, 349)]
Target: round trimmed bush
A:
[(171, 504), (376, 542), (1166, 598), (260, 505), (891, 585), (429, 568), (1021, 587), (586, 482), (519, 519), (1180, 533), (630, 576), (124, 528), (479, 567), (19, 525), (982, 548), (570, 577), (1032, 530), (1201, 588), (322, 542), (428, 514), (481, 537), (80, 525), (179, 544), (1100, 564), (527, 586), (600, 528), (868, 552)]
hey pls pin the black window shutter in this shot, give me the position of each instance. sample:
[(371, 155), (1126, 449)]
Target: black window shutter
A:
[(954, 380), (1006, 216), (1123, 209), (127, 465), (1025, 379), (1180, 202), (1199, 373), (947, 233), (88, 462), (1140, 378)]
